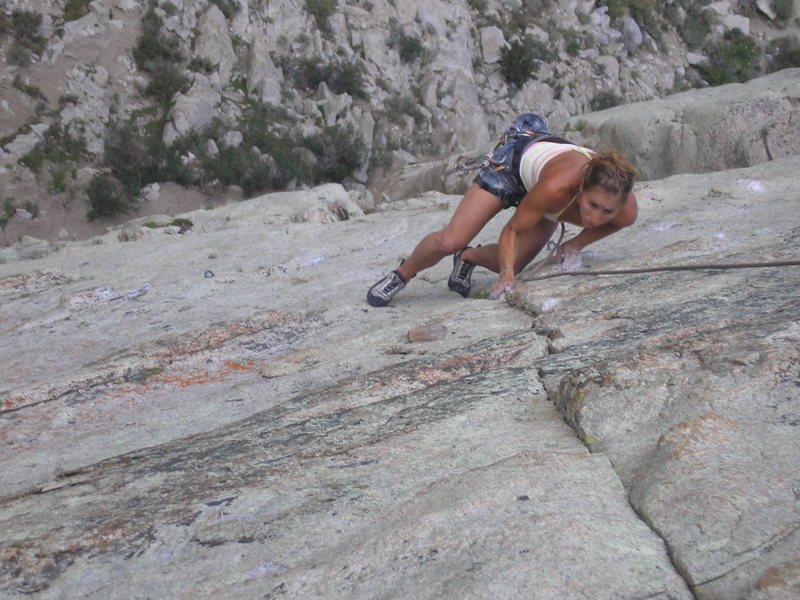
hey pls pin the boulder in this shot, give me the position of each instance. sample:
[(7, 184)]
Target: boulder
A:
[(734, 125), (213, 43), (193, 111), (631, 35), (492, 42), (263, 79)]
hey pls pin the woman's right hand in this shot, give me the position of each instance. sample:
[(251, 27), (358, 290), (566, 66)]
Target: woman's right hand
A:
[(505, 283)]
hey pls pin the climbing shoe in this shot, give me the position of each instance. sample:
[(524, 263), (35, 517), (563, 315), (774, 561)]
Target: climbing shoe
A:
[(383, 291), (461, 278)]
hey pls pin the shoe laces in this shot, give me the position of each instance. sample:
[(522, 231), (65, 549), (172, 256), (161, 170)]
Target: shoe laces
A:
[(466, 268), (393, 282)]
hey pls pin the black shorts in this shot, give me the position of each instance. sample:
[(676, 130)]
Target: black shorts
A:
[(500, 180)]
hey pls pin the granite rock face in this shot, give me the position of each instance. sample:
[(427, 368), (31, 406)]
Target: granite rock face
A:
[(688, 381), (218, 413)]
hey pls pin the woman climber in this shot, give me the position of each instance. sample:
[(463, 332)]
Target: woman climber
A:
[(548, 180)]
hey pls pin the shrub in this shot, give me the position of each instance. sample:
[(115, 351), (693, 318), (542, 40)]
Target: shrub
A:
[(731, 59), (25, 25), (784, 53), (348, 78), (397, 107), (107, 198), (59, 176), (159, 55), (605, 100), (229, 8), (616, 8), (409, 47), (783, 9), (518, 61), (643, 12), (339, 151), (137, 156), (341, 76), (165, 82), (154, 46), (31, 90), (321, 10), (75, 9), (169, 8), (7, 213), (572, 38), (695, 27), (478, 5), (57, 146), (238, 166), (18, 55)]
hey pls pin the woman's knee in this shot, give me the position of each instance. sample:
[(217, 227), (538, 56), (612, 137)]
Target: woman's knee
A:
[(449, 242)]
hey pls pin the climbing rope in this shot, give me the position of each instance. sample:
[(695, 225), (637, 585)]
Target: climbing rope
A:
[(529, 276)]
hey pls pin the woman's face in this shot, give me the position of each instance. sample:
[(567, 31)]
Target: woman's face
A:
[(597, 206)]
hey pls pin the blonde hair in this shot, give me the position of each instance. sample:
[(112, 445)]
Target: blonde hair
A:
[(612, 172)]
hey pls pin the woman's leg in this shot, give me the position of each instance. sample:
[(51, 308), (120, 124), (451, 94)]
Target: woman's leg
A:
[(530, 244), (475, 210)]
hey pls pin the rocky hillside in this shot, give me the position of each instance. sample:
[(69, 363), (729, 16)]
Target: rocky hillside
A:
[(105, 102), (207, 407)]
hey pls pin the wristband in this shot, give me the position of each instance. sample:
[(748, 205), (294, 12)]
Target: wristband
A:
[(505, 270)]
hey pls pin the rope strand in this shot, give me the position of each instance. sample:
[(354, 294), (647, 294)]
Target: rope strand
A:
[(761, 265)]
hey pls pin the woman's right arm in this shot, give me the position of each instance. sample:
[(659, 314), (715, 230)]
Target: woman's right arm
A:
[(529, 212)]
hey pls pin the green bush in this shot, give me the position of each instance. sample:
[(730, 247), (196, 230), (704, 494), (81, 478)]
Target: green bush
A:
[(25, 25), (31, 90), (348, 78), (107, 198), (169, 8), (57, 146), (342, 77), (409, 47), (616, 8), (732, 59), (572, 39), (75, 9), (238, 166), (153, 46), (784, 53), (135, 156), (165, 81), (321, 10), (478, 5), (8, 212), (605, 100), (60, 174), (18, 55), (339, 151), (784, 9), (159, 55), (519, 61), (397, 107), (229, 8), (695, 27), (644, 13)]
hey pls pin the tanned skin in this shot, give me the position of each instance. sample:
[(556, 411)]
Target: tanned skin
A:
[(598, 212)]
